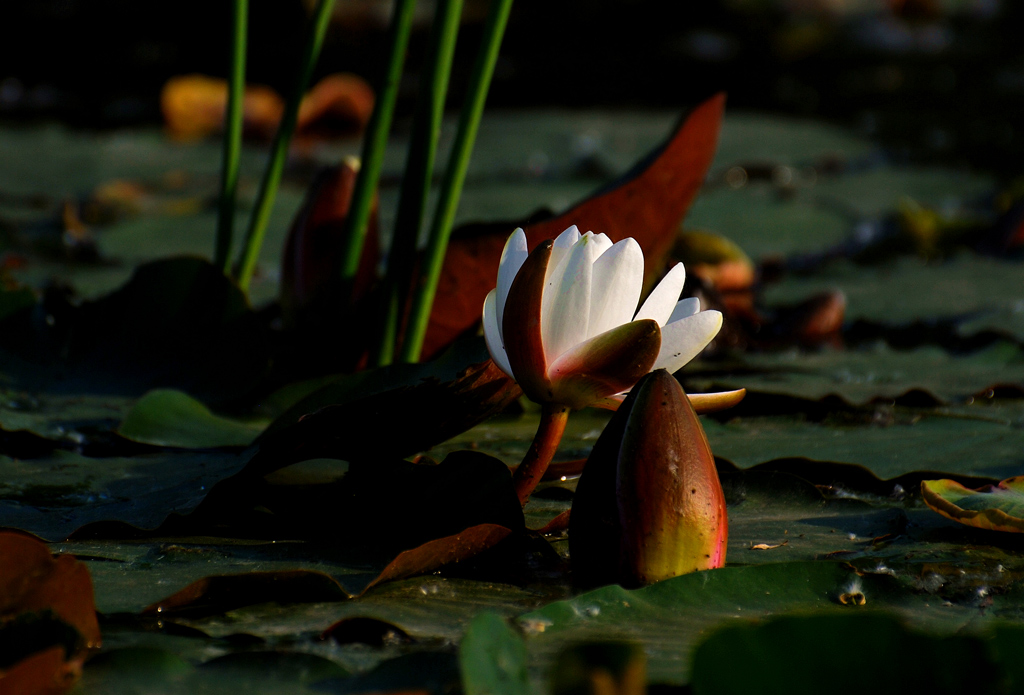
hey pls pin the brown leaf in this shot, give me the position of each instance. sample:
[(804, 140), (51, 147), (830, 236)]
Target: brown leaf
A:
[(313, 248), (647, 205), (225, 592), (442, 551), (338, 104), (31, 580), (767, 546), (34, 582), (43, 673)]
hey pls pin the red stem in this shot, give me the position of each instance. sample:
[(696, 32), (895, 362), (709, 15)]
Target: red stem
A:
[(549, 433)]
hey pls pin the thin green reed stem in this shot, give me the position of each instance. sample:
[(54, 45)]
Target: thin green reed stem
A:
[(279, 150), (419, 168), (376, 139), (454, 176), (232, 137)]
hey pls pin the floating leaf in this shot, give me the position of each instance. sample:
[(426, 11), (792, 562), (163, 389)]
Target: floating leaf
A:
[(166, 417), (55, 495), (177, 323), (995, 507), (670, 617), (861, 376), (493, 658), (754, 657), (47, 618)]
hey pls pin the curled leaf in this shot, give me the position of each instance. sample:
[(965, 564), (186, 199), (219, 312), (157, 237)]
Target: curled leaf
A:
[(995, 507)]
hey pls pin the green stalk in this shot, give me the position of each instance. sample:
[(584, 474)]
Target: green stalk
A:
[(376, 139), (232, 137), (419, 167), (279, 150), (455, 175)]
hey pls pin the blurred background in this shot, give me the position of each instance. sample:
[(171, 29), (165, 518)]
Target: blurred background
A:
[(931, 80)]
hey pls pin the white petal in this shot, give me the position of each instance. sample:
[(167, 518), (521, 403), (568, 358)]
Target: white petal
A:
[(663, 298), (683, 340), (565, 306), (493, 336), (685, 307), (512, 258), (616, 286), (560, 248), (602, 242)]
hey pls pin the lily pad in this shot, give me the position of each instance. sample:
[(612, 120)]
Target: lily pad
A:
[(670, 617), (861, 376), (166, 417), (972, 293), (880, 645), (493, 658), (995, 507), (910, 442), (53, 496)]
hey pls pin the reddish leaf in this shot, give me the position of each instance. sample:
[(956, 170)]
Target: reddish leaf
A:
[(559, 523), (437, 553), (32, 582), (338, 104), (224, 592), (43, 673), (313, 248), (647, 205)]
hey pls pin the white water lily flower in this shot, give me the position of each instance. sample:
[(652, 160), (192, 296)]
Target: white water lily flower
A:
[(563, 321)]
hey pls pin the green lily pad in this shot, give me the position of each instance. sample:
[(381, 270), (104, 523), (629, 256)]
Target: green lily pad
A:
[(878, 643), (166, 417), (911, 442), (669, 618), (861, 376), (492, 658), (996, 507), (974, 293)]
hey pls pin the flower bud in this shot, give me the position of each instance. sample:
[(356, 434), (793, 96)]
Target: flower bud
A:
[(649, 505)]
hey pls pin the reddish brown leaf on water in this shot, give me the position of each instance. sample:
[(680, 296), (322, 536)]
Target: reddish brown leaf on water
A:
[(337, 104), (43, 673), (559, 523), (313, 248), (437, 553), (33, 582), (648, 206)]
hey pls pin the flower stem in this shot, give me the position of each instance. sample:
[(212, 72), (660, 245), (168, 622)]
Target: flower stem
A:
[(279, 151), (454, 176), (232, 136), (374, 143), (552, 425)]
